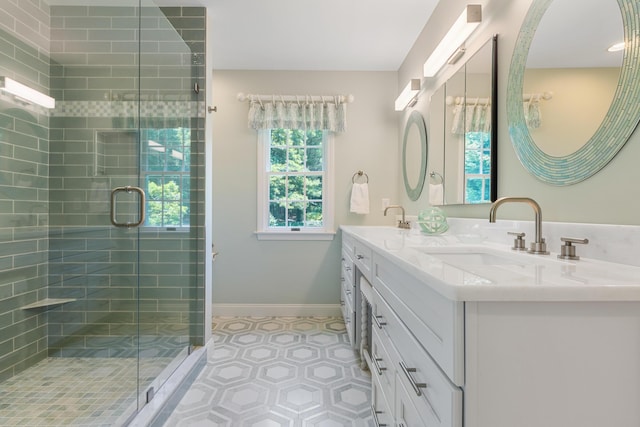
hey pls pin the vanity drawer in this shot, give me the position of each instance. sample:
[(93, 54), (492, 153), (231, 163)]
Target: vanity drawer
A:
[(348, 316), (347, 272), (435, 321), (348, 292), (347, 244), (406, 412), (383, 366), (380, 406), (363, 259), (439, 403)]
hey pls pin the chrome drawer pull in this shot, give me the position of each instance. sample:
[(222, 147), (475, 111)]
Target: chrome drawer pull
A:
[(377, 321), (379, 368), (360, 256), (348, 268), (342, 302), (375, 417), (416, 386)]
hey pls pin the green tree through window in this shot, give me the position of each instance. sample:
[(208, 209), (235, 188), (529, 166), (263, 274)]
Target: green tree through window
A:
[(477, 167), (295, 178), (166, 156)]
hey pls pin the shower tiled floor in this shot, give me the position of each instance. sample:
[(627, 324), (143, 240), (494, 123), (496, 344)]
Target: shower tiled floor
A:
[(268, 372), (75, 391)]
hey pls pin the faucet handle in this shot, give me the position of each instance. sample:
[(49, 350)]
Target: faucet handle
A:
[(406, 225), (518, 242), (568, 251)]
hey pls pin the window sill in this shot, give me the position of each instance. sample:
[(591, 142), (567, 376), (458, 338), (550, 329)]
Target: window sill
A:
[(295, 235)]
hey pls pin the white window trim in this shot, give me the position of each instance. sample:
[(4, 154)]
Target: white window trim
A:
[(328, 195)]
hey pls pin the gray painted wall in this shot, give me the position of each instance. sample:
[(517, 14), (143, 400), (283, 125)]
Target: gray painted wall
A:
[(249, 271)]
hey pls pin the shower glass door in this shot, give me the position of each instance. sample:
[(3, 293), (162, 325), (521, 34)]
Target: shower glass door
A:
[(101, 209), (171, 131)]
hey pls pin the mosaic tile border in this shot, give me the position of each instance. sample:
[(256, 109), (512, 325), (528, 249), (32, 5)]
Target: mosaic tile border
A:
[(618, 124), (128, 109)]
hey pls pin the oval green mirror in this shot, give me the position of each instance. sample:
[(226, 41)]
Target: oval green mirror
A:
[(414, 155), (612, 132)]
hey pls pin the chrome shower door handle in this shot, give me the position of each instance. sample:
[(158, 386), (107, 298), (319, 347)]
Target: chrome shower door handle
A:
[(141, 211)]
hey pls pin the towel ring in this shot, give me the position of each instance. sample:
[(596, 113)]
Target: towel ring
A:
[(435, 175), (359, 174)]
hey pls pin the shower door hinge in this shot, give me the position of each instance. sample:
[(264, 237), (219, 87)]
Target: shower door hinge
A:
[(150, 393)]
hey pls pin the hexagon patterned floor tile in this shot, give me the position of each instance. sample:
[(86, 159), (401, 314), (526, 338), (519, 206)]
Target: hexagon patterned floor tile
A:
[(277, 372)]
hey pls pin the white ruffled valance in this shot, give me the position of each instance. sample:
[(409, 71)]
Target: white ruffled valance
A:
[(297, 112), (471, 116)]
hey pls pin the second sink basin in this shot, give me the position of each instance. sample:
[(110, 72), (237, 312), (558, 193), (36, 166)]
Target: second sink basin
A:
[(461, 257)]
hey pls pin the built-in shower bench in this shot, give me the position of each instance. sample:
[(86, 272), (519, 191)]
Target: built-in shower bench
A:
[(47, 302)]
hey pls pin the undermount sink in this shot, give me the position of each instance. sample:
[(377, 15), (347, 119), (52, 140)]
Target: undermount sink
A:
[(470, 257)]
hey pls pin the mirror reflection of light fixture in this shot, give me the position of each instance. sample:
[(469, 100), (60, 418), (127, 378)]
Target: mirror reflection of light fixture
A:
[(409, 95), (466, 23), (21, 91), (616, 47)]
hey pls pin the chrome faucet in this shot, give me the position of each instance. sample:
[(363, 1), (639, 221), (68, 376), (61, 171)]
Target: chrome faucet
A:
[(402, 223), (538, 247)]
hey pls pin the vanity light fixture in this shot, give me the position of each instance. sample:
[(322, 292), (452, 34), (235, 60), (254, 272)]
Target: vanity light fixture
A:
[(409, 95), (450, 44), (616, 47), (21, 91)]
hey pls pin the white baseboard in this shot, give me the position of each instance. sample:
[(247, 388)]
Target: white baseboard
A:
[(285, 310)]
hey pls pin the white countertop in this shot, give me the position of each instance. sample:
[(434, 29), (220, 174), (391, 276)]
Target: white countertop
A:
[(515, 276)]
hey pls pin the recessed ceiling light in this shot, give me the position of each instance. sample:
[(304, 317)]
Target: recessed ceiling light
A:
[(616, 47)]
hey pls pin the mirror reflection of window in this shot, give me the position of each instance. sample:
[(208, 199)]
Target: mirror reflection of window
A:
[(464, 157), (477, 167)]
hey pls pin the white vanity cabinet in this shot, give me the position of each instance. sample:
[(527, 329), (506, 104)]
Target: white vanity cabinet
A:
[(523, 347), (419, 388)]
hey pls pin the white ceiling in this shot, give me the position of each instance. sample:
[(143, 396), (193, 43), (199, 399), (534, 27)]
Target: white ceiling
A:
[(338, 35), (375, 35)]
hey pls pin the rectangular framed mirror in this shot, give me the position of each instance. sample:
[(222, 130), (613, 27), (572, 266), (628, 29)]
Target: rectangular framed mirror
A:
[(463, 133)]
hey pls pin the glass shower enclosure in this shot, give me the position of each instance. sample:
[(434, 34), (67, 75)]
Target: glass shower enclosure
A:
[(101, 206)]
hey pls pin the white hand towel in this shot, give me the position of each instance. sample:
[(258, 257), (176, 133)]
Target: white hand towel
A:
[(360, 198), (436, 194)]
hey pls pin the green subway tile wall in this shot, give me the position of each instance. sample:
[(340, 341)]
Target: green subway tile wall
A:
[(24, 206)]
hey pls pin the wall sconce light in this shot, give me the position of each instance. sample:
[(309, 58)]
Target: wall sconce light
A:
[(468, 21), (21, 91), (409, 95)]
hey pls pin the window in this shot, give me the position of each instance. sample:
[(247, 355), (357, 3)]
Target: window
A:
[(166, 155), (294, 184), (477, 167)]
